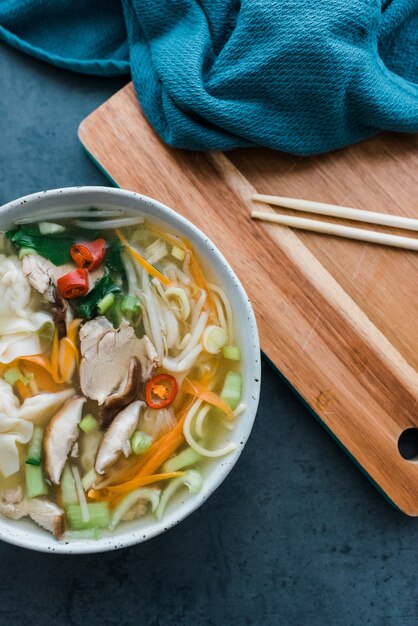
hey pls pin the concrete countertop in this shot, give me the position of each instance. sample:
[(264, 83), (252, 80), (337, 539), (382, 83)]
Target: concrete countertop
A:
[(296, 535)]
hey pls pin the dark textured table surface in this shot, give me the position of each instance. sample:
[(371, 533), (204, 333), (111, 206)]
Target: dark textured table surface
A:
[(296, 535)]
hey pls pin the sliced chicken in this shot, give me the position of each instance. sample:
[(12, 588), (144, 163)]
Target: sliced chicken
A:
[(107, 351), (45, 513), (60, 436), (116, 439), (43, 274), (48, 515), (39, 272)]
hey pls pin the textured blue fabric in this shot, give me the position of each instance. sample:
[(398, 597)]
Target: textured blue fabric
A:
[(301, 76)]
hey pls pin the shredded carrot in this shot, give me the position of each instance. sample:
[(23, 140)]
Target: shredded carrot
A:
[(55, 358), (130, 469), (174, 438), (199, 277), (22, 389), (73, 328), (41, 370), (198, 390), (140, 481), (159, 452), (67, 358), (143, 262)]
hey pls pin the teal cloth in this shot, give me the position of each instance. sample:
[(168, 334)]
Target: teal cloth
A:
[(300, 76)]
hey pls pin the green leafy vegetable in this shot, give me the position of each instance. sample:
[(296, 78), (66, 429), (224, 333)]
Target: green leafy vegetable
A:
[(53, 246), (86, 306), (113, 260)]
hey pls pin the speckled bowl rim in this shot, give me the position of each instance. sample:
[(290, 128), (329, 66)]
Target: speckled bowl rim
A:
[(113, 196)]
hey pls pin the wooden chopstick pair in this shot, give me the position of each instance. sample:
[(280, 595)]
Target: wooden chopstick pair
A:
[(333, 210)]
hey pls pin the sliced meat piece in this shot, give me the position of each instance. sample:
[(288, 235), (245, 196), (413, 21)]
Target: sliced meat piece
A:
[(106, 354), (41, 273), (12, 503), (116, 439), (48, 515), (45, 513), (60, 435)]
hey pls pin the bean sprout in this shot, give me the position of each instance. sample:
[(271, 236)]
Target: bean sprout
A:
[(230, 447), (228, 311), (108, 224)]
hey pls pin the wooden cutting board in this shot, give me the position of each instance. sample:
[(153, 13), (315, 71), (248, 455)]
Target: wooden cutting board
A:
[(338, 318)]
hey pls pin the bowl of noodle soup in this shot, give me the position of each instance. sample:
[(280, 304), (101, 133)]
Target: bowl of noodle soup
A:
[(130, 369)]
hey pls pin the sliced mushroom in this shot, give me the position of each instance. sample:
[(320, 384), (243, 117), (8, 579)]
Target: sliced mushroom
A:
[(48, 515), (117, 401), (60, 435), (43, 512), (12, 503), (116, 439), (59, 313), (109, 350)]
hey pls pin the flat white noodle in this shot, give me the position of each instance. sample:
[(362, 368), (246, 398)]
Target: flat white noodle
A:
[(19, 322), (70, 213), (13, 430), (40, 408), (112, 223), (228, 311)]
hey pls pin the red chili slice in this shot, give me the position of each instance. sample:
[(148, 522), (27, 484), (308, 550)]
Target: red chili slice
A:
[(74, 284), (88, 254), (160, 391)]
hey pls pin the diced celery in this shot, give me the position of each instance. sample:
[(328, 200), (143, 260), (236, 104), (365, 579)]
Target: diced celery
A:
[(184, 459), (35, 482), (34, 455), (233, 353), (25, 251), (131, 307), (106, 303), (115, 313), (13, 374), (99, 516), (68, 488), (178, 253), (49, 228), (89, 423), (82, 535), (140, 442), (231, 392), (214, 339)]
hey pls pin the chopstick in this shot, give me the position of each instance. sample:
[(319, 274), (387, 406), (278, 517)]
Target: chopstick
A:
[(349, 232), (333, 210)]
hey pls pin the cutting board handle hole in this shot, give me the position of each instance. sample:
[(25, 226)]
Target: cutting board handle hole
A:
[(408, 444)]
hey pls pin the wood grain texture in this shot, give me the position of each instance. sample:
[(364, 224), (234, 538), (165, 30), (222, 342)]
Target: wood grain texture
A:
[(337, 317)]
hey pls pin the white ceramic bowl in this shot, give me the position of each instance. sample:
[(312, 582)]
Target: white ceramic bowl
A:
[(24, 532)]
